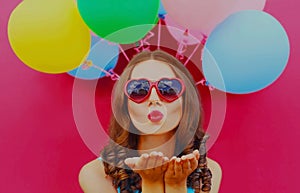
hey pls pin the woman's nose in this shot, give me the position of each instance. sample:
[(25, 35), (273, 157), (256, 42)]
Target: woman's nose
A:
[(154, 97), (153, 94)]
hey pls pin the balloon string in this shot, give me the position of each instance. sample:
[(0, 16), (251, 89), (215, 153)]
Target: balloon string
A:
[(144, 44), (182, 47), (203, 41), (138, 46), (88, 63), (148, 37), (203, 82), (109, 73), (159, 31), (114, 76), (124, 53), (194, 51)]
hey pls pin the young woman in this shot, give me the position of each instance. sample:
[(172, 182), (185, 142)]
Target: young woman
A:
[(155, 133)]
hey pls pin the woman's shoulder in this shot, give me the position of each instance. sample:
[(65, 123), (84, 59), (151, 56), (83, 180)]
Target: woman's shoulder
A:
[(216, 170), (213, 164), (93, 179)]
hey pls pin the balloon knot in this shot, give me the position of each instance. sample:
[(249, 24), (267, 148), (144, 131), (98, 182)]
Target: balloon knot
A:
[(161, 16), (204, 82), (204, 39), (89, 63)]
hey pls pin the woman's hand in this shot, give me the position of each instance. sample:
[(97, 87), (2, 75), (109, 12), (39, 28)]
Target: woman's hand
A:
[(151, 167), (179, 169)]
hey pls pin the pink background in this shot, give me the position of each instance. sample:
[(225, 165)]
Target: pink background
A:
[(41, 150)]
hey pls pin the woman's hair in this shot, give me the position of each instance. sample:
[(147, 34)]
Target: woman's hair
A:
[(189, 133)]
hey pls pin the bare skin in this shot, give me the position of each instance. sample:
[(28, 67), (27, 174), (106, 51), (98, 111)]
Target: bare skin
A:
[(93, 179), (178, 170), (151, 167), (170, 175)]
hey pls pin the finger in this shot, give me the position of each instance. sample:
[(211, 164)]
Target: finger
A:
[(173, 158), (190, 156), (193, 163), (152, 160), (159, 160), (131, 162), (142, 162), (185, 164), (165, 163), (171, 165), (178, 166), (197, 154)]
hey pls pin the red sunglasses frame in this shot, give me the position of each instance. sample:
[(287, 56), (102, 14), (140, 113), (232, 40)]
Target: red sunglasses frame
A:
[(155, 85)]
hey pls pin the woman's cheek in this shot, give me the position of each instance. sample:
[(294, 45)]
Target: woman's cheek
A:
[(137, 111), (174, 113), (175, 108)]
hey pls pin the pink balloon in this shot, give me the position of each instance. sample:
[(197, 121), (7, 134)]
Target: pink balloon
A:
[(249, 4), (204, 15), (180, 34)]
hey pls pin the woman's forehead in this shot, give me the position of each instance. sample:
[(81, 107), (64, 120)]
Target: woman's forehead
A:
[(152, 69)]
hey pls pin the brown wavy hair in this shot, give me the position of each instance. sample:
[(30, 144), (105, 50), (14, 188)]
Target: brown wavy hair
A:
[(123, 135)]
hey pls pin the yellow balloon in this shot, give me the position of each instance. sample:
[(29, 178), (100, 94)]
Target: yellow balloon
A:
[(49, 36)]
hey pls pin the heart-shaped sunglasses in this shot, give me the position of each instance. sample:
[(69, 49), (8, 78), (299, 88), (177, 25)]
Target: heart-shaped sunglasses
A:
[(168, 89)]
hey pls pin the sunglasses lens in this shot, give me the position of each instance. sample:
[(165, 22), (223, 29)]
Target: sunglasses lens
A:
[(170, 89), (138, 89)]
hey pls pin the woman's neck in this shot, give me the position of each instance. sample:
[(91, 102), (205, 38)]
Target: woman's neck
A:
[(164, 143)]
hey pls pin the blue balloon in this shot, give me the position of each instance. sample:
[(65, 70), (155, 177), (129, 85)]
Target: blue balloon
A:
[(94, 40), (161, 10), (103, 55), (245, 53)]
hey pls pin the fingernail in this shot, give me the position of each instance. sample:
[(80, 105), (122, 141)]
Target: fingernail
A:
[(174, 157), (154, 153)]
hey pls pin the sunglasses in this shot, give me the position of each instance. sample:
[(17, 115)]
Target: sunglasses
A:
[(168, 89)]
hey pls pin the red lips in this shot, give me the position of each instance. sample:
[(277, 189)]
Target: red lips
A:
[(155, 116)]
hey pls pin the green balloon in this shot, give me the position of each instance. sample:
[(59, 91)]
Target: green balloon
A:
[(105, 17)]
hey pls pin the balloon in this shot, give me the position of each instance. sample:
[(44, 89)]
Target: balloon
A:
[(250, 48), (48, 36), (249, 4), (161, 9), (204, 15), (109, 16), (180, 34), (103, 55), (94, 39)]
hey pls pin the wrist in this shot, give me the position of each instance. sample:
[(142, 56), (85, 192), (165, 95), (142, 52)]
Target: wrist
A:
[(176, 184), (153, 181), (152, 185), (180, 187)]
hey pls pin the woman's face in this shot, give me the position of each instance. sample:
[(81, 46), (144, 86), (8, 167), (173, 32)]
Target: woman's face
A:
[(154, 115)]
